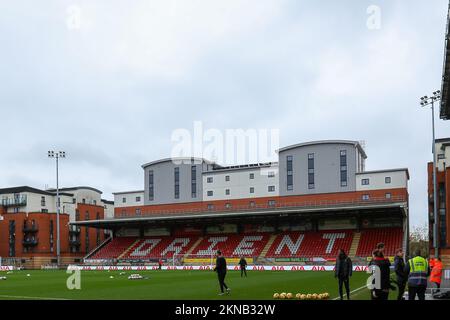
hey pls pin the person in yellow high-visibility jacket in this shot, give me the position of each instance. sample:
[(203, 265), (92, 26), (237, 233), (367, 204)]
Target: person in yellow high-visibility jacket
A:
[(417, 270)]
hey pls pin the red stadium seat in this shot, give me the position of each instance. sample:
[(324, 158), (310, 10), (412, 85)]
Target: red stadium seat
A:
[(391, 237)]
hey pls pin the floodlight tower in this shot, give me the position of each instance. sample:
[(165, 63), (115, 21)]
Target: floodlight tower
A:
[(57, 155), (426, 101)]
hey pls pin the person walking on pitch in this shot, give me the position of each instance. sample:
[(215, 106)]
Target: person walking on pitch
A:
[(243, 265), (221, 269)]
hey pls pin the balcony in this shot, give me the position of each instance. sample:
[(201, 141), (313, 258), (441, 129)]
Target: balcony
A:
[(30, 242), (30, 228), (17, 201)]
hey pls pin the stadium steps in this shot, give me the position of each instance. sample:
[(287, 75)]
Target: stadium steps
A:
[(96, 249), (355, 244), (195, 245), (128, 249), (268, 245)]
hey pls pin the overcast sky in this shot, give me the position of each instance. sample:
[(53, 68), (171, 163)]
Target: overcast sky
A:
[(109, 81)]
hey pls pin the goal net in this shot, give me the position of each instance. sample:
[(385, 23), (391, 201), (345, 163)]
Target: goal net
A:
[(188, 259)]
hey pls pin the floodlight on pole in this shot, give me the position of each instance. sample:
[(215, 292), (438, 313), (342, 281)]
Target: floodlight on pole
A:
[(426, 101), (57, 155)]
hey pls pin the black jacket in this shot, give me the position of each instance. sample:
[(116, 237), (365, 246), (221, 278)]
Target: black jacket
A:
[(221, 265), (243, 263), (399, 267), (343, 268), (385, 271)]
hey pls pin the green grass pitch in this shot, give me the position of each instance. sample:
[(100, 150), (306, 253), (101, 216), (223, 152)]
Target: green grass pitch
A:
[(179, 285)]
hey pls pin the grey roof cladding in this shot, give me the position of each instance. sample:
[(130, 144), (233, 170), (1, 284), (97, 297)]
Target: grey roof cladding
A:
[(311, 143), (195, 159), (387, 170), (75, 188), (31, 190)]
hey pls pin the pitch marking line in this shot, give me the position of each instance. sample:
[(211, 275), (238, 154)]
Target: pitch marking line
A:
[(356, 290), (32, 298)]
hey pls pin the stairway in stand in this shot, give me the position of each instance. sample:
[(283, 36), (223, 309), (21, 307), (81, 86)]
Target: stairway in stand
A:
[(126, 251), (268, 245), (355, 244), (195, 245)]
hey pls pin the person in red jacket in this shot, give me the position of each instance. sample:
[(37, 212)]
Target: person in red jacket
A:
[(436, 273)]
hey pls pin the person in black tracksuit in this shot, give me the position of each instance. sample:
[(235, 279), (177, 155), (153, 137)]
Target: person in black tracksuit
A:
[(221, 269), (382, 292), (343, 272), (399, 267), (243, 265)]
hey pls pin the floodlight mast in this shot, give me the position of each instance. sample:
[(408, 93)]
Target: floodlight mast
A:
[(426, 101), (56, 155)]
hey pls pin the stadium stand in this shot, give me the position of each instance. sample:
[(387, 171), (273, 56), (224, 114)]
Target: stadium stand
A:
[(309, 244), (391, 237), (114, 248)]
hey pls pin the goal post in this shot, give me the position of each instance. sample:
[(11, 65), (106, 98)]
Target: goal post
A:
[(193, 259)]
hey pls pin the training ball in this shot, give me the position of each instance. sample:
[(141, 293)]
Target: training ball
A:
[(303, 297), (289, 295), (111, 277), (283, 296), (314, 296), (308, 296), (297, 296), (320, 296), (327, 295), (28, 275), (276, 295)]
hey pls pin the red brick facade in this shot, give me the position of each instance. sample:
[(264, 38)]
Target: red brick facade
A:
[(400, 194), (34, 234)]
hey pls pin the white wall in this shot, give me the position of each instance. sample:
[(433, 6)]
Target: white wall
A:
[(377, 180), (130, 199), (240, 183)]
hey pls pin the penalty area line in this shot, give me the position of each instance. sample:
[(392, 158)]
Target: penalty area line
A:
[(31, 298), (351, 292)]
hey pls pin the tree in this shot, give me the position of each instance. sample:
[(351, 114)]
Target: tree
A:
[(418, 239)]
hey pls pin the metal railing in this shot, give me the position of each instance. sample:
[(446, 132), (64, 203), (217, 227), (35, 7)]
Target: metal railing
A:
[(265, 207), (15, 201)]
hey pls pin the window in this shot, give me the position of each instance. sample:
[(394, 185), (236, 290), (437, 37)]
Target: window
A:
[(210, 193), (271, 174), (83, 201), (343, 167), (228, 205), (252, 204), (388, 195), (387, 180), (16, 209), (95, 202), (77, 215), (252, 190), (251, 176), (227, 192), (209, 179), (138, 211), (365, 197), (311, 171), (124, 200), (151, 186), (138, 199), (227, 178), (124, 212), (289, 173), (271, 188), (365, 182), (193, 182), (42, 210), (271, 203), (43, 201), (210, 206), (74, 200), (177, 182), (441, 156)]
